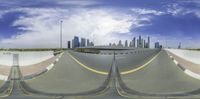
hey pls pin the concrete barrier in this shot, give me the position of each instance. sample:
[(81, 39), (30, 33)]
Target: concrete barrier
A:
[(6, 58), (25, 58)]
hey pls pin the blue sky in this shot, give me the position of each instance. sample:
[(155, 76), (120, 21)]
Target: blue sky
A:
[(24, 23)]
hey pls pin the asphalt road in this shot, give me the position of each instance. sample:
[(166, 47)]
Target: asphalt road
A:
[(67, 77), (125, 62), (161, 76)]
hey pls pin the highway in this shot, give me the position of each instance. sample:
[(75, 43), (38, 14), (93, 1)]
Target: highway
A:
[(153, 75)]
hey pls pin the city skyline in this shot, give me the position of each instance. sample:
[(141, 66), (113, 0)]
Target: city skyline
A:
[(139, 43), (24, 23)]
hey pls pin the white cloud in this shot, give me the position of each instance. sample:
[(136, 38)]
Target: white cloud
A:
[(42, 26), (176, 9), (78, 2), (141, 11)]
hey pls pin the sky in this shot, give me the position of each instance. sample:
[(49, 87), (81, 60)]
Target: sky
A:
[(36, 23)]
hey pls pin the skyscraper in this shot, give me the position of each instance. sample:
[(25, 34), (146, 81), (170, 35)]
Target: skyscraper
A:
[(110, 44), (137, 43), (157, 45), (148, 43), (68, 44), (75, 42), (120, 43), (126, 43), (91, 44), (83, 42), (133, 42), (179, 46), (88, 42), (130, 44), (140, 41)]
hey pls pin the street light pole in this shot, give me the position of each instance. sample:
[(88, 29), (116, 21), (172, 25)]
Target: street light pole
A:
[(61, 34)]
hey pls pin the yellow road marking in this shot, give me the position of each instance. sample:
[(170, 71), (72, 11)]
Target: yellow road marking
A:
[(140, 67), (93, 70), (106, 73)]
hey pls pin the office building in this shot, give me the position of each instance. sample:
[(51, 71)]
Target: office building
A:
[(144, 43), (83, 42), (133, 42), (179, 46), (130, 44), (68, 44), (126, 43), (110, 44), (137, 43), (91, 44), (120, 43), (88, 42), (140, 42), (148, 43), (75, 42), (157, 45)]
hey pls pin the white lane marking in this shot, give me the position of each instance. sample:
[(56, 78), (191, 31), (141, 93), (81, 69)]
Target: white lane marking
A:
[(175, 62), (50, 67), (57, 60)]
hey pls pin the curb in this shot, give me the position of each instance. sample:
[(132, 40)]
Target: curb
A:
[(43, 70), (186, 71)]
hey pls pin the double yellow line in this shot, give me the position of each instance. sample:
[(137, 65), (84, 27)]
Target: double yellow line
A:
[(106, 73)]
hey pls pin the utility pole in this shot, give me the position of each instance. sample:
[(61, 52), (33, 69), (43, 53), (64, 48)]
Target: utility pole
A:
[(61, 34)]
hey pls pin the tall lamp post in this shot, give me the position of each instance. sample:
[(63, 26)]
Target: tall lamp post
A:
[(61, 34)]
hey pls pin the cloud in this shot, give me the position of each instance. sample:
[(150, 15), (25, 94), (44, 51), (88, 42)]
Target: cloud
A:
[(78, 2), (182, 8), (143, 11), (42, 26)]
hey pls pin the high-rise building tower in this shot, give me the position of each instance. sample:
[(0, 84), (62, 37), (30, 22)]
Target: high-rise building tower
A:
[(179, 46), (120, 43), (157, 45), (144, 44), (91, 44), (137, 43), (133, 42), (110, 44), (88, 42), (140, 45), (148, 43), (83, 42), (75, 42), (68, 44), (126, 43), (130, 44)]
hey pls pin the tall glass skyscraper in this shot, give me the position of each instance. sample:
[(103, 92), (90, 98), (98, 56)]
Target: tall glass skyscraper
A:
[(75, 42)]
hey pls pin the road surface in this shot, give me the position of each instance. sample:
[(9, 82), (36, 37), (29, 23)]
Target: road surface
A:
[(160, 77)]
